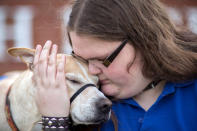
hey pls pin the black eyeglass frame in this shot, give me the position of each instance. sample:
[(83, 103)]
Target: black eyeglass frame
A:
[(108, 60)]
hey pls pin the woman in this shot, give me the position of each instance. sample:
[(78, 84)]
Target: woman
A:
[(152, 76)]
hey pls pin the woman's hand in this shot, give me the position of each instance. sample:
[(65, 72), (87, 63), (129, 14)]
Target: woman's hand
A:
[(52, 95)]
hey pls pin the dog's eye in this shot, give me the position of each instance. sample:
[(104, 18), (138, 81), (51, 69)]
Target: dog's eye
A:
[(73, 78), (74, 81)]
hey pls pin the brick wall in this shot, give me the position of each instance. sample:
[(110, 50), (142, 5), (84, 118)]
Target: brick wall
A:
[(25, 23)]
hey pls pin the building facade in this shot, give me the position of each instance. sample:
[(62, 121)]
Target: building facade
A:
[(25, 23)]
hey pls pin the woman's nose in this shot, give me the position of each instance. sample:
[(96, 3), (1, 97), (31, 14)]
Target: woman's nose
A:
[(93, 69)]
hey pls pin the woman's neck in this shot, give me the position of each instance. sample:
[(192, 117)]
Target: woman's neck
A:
[(147, 98)]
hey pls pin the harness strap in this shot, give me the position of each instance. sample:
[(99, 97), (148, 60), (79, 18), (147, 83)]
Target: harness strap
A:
[(79, 91), (8, 112)]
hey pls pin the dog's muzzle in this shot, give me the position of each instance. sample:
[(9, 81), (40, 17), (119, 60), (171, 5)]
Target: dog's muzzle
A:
[(80, 90), (102, 107)]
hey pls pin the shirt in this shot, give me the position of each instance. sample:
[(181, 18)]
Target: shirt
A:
[(174, 110)]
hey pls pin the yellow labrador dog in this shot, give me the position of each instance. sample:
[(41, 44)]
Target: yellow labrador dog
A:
[(18, 109)]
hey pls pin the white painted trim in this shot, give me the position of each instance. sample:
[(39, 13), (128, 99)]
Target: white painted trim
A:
[(23, 27), (2, 32)]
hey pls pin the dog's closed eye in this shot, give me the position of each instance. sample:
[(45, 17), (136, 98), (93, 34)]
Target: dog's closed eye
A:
[(73, 78), (74, 81)]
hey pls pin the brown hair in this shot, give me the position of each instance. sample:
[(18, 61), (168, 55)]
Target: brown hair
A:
[(168, 53)]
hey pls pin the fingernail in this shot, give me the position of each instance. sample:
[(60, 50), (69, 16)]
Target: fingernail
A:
[(48, 41), (54, 46), (37, 46)]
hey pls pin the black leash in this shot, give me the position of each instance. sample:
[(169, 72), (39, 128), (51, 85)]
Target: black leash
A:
[(79, 91)]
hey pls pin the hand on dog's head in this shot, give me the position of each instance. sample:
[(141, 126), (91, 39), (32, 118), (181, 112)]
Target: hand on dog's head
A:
[(91, 106)]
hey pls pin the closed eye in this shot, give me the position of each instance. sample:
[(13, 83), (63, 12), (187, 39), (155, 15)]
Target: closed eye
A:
[(74, 81), (74, 78)]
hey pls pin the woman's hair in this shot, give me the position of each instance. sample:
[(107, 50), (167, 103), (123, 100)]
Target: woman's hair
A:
[(168, 52)]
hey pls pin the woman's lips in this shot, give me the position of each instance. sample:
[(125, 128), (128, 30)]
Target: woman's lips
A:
[(104, 82)]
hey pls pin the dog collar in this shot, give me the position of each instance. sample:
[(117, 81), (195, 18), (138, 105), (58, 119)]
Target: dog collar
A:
[(79, 91), (8, 112)]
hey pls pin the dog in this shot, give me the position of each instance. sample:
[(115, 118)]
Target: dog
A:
[(89, 107)]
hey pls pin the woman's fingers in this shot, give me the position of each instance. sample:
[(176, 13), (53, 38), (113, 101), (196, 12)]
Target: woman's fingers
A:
[(52, 95), (35, 63), (60, 72), (51, 70), (60, 78), (43, 61), (37, 56)]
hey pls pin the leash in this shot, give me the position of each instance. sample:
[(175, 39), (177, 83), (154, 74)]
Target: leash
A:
[(8, 112), (79, 91)]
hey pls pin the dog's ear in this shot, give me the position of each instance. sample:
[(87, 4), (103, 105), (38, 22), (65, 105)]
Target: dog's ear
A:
[(25, 54)]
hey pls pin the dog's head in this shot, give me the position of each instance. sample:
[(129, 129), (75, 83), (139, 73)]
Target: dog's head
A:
[(90, 106)]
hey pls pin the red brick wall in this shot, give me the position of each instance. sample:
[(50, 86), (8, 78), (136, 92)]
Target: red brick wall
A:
[(46, 25), (47, 22)]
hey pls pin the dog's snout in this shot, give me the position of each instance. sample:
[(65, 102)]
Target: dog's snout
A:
[(104, 105)]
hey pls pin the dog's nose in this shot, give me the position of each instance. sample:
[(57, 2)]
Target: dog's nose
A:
[(104, 105)]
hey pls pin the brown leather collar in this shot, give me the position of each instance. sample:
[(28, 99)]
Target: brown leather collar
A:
[(8, 112)]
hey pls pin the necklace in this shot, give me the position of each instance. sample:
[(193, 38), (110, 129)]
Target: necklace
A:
[(151, 85)]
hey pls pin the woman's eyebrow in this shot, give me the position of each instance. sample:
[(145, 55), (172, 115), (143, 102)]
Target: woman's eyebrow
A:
[(96, 58), (92, 58)]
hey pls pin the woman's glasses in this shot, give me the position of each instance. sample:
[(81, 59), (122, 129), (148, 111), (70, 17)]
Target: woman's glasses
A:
[(108, 60), (113, 55)]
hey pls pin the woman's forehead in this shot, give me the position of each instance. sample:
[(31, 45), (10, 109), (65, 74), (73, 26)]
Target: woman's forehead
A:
[(83, 40), (89, 45)]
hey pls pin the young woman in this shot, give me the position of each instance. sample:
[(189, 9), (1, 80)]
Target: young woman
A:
[(143, 61)]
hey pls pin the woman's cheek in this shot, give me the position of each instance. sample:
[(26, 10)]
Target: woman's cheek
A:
[(110, 90)]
